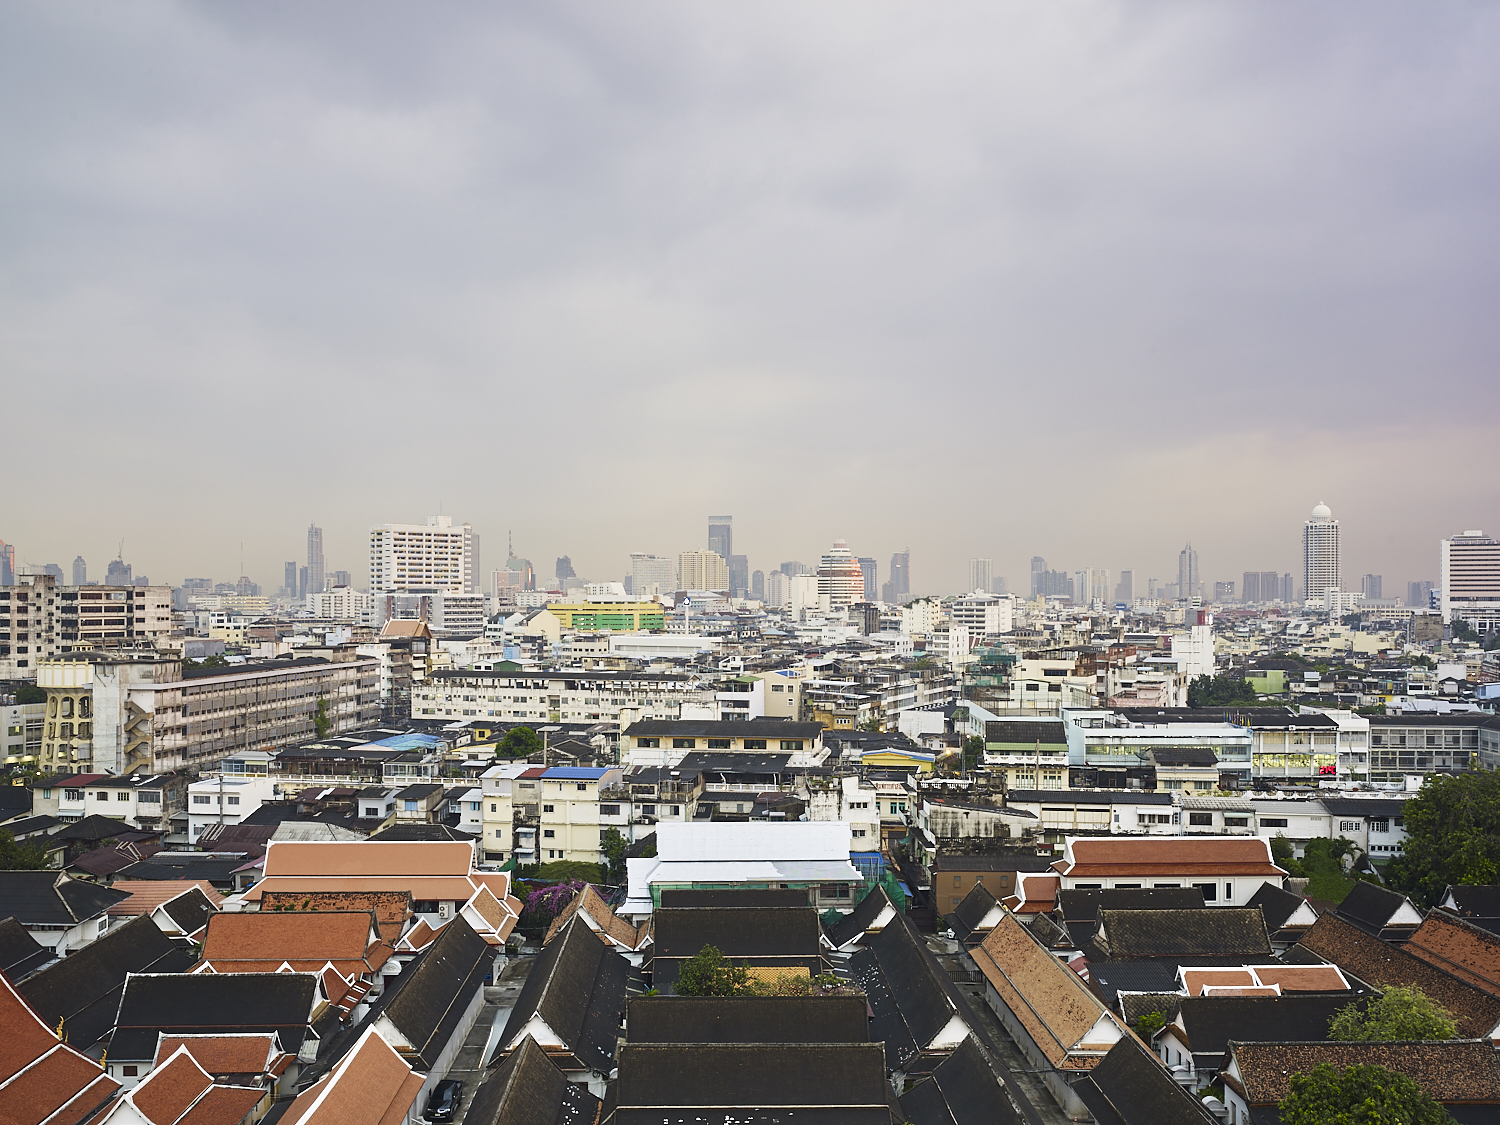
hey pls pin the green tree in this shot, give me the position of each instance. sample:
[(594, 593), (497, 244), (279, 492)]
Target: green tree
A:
[(30, 693), (321, 722), (1219, 691), (1452, 837), (520, 742), (1358, 1095), (1463, 631), (973, 752), (570, 870), (1397, 1014), (1149, 1024), (709, 973), (614, 847), (20, 856)]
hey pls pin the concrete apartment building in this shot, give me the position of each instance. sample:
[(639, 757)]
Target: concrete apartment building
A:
[(569, 819), (406, 557), (557, 696), (119, 711), (39, 619)]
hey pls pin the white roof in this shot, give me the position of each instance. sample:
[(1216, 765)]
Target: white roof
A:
[(739, 841)]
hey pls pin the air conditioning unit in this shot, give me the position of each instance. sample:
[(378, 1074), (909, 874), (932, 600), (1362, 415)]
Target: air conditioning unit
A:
[(442, 910)]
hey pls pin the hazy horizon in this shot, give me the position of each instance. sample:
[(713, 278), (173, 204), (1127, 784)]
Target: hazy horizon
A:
[(1085, 281)]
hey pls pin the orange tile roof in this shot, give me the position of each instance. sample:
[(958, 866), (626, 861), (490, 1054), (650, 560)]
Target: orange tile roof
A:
[(1460, 948), (223, 1054), (1194, 980), (1054, 1006), (606, 923), (419, 936), (1303, 978), (169, 1090), (261, 942), (330, 859), (1164, 855), (147, 894), (224, 1105), (392, 908), (371, 1085), (40, 1077)]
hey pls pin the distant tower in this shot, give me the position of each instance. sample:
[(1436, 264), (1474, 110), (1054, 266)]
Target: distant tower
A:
[(565, 568), (721, 537), (1189, 580), (314, 559), (901, 575), (80, 572), (1320, 553), (867, 567), (840, 577), (979, 575), (289, 579)]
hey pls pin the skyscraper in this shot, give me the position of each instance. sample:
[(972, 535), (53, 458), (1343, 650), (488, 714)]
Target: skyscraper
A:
[(1471, 579), (1038, 570), (1125, 589), (118, 574), (80, 572), (7, 563), (1418, 594), (565, 568), (1320, 553), (702, 570), (901, 575), (1370, 585), (721, 536), (315, 560), (431, 556), (979, 575), (872, 582), (1189, 579), (651, 575), (289, 579), (840, 578), (758, 585), (1288, 589), (739, 575)]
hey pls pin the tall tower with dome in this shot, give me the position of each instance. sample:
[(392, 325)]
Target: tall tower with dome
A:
[(1320, 553)]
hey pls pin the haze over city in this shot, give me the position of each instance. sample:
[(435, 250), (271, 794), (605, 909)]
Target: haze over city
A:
[(1086, 282)]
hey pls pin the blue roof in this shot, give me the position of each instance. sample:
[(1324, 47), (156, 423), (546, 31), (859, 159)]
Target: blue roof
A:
[(574, 773), (411, 740)]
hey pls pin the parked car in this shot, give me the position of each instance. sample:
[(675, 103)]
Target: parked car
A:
[(443, 1104)]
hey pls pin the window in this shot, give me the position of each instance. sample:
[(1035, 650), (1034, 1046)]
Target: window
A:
[(1381, 825), (648, 810), (148, 797), (1348, 826), (1201, 818), (547, 808), (1210, 891), (720, 743), (684, 744), (648, 743), (1228, 892), (755, 744), (956, 879), (126, 797), (1127, 886), (609, 810), (494, 807), (856, 832), (1236, 822), (548, 834), (1162, 886), (583, 787), (473, 806), (792, 744), (102, 795), (411, 806), (834, 890), (232, 800), (130, 1070), (778, 687), (1273, 822), (1088, 886), (372, 812), (199, 799)]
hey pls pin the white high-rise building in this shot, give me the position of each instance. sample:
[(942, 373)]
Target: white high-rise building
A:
[(436, 555), (980, 579), (1320, 554), (1471, 579), (778, 589), (982, 615), (315, 571), (839, 577), (702, 570), (651, 575)]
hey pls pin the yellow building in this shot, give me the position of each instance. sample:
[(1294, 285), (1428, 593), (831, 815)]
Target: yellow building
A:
[(625, 617)]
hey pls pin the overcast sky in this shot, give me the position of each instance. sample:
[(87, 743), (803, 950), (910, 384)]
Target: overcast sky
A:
[(1083, 280)]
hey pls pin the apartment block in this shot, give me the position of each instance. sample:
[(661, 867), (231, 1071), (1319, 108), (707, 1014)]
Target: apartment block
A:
[(40, 619), (556, 697), (118, 711)]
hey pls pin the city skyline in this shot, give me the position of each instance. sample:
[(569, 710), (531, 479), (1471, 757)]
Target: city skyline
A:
[(962, 570), (1019, 220)]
